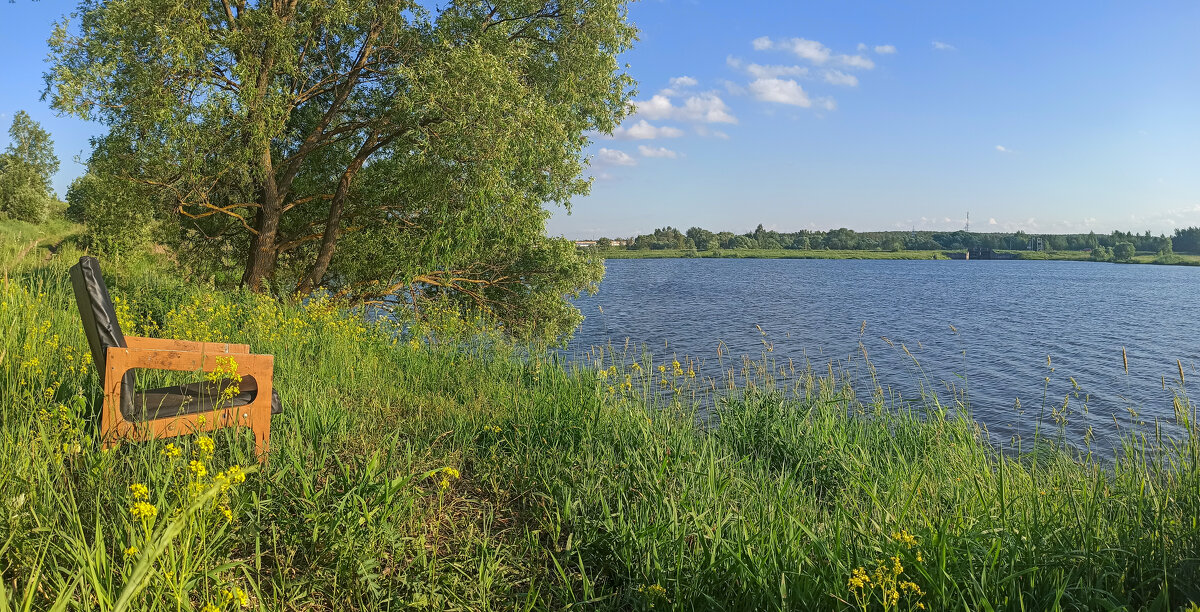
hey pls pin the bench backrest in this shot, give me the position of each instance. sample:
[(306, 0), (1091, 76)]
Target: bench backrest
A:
[(99, 321)]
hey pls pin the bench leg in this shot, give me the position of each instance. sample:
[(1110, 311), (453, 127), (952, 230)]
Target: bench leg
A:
[(260, 424)]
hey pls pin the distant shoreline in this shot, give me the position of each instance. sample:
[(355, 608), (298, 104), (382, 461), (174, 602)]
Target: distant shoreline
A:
[(1140, 258)]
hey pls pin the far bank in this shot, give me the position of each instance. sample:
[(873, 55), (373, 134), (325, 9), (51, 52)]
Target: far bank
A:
[(1140, 258)]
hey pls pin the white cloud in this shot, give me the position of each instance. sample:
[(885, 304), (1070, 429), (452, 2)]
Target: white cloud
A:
[(702, 108), (734, 89), (812, 51), (707, 107), (679, 85), (614, 157), (781, 91), (661, 152), (720, 134), (657, 107), (644, 130), (856, 61), (828, 104), (882, 49), (941, 46), (683, 81), (862, 47), (838, 77), (992, 221), (1003, 149), (759, 71)]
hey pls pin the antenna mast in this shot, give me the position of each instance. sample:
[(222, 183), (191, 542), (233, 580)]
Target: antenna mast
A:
[(968, 227)]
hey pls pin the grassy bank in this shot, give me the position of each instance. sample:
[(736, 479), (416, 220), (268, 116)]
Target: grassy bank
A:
[(405, 474), (1142, 258)]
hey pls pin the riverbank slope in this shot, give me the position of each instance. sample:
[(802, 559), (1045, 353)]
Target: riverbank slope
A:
[(406, 473)]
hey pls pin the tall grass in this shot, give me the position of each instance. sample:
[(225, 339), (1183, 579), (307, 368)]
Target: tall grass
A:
[(410, 474)]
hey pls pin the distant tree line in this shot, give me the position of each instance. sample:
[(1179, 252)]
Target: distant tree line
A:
[(1103, 246)]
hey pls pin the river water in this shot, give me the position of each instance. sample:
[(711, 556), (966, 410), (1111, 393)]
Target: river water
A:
[(983, 327)]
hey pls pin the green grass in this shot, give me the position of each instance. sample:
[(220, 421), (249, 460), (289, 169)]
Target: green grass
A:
[(1176, 259), (577, 488), (21, 241)]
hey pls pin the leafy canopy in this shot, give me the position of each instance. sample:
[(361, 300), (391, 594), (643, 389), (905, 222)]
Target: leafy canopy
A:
[(372, 148), (26, 166)]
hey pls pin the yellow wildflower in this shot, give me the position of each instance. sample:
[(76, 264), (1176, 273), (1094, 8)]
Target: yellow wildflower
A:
[(450, 472), (205, 447), (236, 475), (171, 450), (905, 538), (197, 468), (240, 597), (143, 510), (139, 491), (131, 551), (858, 578)]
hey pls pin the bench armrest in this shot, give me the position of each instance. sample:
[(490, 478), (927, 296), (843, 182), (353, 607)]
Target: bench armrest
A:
[(121, 360), (166, 344)]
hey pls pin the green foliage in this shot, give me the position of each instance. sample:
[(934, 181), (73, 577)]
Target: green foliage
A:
[(21, 198), (1063, 246), (366, 148), (1102, 253), (26, 168), (31, 149), (1187, 239), (106, 205), (1124, 251), (1166, 248)]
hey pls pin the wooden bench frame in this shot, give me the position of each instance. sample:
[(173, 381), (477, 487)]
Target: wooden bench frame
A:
[(186, 356)]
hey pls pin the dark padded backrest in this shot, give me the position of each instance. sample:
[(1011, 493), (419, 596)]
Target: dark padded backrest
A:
[(99, 321)]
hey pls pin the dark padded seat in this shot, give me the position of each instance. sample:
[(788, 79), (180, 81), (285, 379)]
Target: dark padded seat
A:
[(195, 397), (103, 332)]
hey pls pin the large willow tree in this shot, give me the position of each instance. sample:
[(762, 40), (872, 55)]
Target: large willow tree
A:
[(372, 148)]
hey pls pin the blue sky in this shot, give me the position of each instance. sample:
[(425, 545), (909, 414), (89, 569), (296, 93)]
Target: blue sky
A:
[(1049, 117)]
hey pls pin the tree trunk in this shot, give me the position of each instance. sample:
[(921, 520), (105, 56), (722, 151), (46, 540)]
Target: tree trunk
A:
[(264, 252), (260, 264), (329, 240)]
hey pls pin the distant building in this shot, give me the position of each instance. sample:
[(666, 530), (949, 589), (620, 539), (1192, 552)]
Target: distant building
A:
[(587, 244), (1036, 243)]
